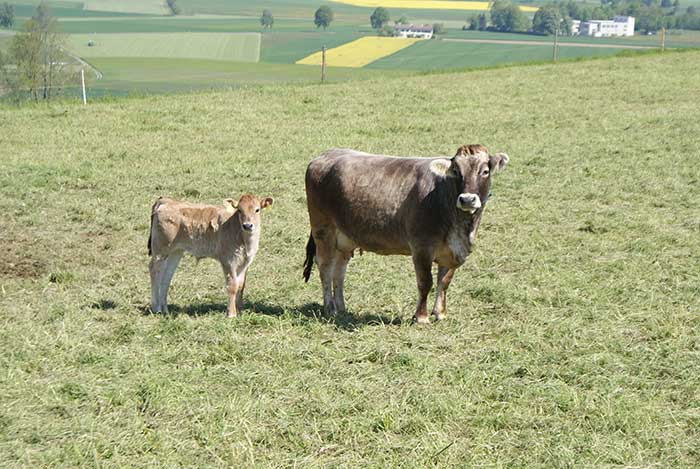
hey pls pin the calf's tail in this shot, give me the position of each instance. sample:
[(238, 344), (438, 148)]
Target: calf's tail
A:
[(310, 253), (150, 231)]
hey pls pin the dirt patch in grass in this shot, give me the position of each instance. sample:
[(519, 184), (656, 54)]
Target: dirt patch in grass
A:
[(16, 262)]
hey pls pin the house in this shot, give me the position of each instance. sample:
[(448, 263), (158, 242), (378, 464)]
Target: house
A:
[(422, 31), (618, 26)]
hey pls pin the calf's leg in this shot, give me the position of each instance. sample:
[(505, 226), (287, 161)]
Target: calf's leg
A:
[(154, 267), (423, 262), (444, 276), (167, 273), (241, 287), (232, 286)]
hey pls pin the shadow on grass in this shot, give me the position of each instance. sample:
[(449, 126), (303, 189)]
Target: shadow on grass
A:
[(346, 320)]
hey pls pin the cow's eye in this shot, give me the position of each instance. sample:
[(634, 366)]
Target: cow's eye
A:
[(485, 172), (257, 210)]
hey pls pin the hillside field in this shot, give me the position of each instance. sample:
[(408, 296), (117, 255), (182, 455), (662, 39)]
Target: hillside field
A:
[(572, 331), (239, 47)]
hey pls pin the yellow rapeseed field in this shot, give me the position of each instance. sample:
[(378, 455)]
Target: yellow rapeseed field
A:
[(426, 4), (360, 52)]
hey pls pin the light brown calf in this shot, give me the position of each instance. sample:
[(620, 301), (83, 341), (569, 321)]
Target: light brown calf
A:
[(228, 233)]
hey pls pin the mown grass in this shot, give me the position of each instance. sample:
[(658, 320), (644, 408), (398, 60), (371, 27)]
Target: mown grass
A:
[(571, 337)]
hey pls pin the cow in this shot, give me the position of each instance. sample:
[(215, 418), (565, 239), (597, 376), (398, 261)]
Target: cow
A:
[(428, 208), (228, 233)]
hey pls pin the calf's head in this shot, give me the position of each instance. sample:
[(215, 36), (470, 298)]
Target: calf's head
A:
[(248, 209), (473, 167)]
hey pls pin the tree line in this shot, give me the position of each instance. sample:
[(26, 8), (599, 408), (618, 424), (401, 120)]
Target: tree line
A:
[(650, 15)]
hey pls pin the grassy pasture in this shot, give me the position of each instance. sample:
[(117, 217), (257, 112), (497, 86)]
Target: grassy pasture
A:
[(572, 332), (146, 75), (241, 47), (148, 7)]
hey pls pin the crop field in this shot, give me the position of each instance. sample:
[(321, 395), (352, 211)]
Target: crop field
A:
[(572, 331), (441, 55), (151, 7), (241, 47), (360, 52)]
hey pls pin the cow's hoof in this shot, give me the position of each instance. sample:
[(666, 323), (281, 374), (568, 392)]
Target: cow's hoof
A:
[(421, 320), (231, 315), (439, 317)]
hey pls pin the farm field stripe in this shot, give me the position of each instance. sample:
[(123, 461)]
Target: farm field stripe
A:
[(549, 43), (152, 7), (360, 52), (427, 5)]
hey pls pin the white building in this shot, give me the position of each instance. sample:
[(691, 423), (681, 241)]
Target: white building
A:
[(575, 27), (423, 31), (618, 26)]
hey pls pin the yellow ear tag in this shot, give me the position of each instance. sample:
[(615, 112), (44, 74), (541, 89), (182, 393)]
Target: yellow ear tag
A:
[(230, 209)]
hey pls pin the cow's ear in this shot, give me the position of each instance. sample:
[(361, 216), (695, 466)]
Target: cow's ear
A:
[(267, 201), (230, 204), (498, 161)]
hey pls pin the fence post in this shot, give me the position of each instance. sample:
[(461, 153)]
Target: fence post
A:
[(663, 39), (323, 64), (556, 41), (82, 82)]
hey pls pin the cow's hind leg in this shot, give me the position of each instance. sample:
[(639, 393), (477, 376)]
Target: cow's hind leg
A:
[(423, 263), (444, 276), (339, 269), (325, 258), (171, 263)]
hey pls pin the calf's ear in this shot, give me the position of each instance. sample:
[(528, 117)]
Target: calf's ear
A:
[(230, 204), (266, 202), (498, 161)]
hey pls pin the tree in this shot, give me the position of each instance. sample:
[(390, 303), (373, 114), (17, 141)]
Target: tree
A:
[(438, 28), (173, 7), (483, 22), (402, 20), (379, 18), (323, 17), (666, 3), (546, 20), (7, 15), (38, 55), (266, 20), (507, 17), (387, 31), (473, 23)]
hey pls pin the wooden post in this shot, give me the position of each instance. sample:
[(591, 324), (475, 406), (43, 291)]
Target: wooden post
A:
[(556, 44), (82, 82), (323, 64), (663, 38)]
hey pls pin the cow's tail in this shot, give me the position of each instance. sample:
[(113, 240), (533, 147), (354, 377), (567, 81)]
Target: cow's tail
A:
[(150, 231), (310, 253)]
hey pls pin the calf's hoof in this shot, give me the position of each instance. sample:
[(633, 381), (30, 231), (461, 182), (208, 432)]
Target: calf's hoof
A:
[(330, 309), (231, 314), (439, 316)]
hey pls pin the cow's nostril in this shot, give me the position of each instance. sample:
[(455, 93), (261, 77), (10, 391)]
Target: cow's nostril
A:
[(248, 226)]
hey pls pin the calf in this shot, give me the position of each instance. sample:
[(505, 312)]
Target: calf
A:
[(228, 233)]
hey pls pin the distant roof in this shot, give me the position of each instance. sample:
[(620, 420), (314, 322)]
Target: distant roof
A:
[(420, 28)]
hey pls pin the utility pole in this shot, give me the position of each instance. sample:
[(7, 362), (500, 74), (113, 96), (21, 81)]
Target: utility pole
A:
[(82, 82), (556, 44), (323, 64)]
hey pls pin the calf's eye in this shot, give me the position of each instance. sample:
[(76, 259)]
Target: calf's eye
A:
[(485, 172), (257, 210)]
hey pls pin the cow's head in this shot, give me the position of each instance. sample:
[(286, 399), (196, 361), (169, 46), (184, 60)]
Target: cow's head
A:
[(248, 208), (473, 166)]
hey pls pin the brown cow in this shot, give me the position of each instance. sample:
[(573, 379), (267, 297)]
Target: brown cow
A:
[(429, 208), (228, 233)]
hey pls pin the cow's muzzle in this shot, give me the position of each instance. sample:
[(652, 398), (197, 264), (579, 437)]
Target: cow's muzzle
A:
[(248, 226), (468, 202)]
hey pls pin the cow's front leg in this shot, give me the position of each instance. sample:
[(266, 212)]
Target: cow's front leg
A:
[(423, 263), (444, 278), (232, 288)]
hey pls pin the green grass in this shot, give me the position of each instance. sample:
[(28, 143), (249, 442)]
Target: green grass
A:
[(241, 47), (142, 75), (150, 7), (572, 331), (436, 55)]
